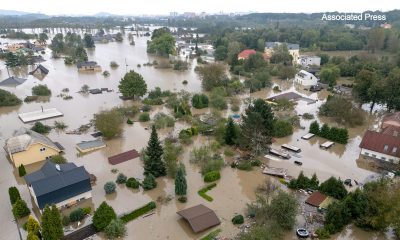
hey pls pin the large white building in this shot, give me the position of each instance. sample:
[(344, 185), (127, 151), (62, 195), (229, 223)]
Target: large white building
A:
[(305, 78)]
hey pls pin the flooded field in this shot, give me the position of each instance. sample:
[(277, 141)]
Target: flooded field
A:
[(233, 191)]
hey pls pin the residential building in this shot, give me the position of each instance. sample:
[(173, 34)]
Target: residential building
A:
[(306, 61), (61, 184), (391, 120), (27, 147), (319, 200), (90, 66), (39, 70), (294, 49), (381, 146), (245, 54), (305, 78), (15, 47), (200, 217)]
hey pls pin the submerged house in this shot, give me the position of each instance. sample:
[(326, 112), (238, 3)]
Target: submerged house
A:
[(89, 66), (200, 217), (306, 61), (294, 49), (12, 81), (40, 70), (384, 144), (28, 147), (61, 184), (305, 78)]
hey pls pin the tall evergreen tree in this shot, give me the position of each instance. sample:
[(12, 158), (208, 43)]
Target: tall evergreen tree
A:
[(230, 133), (52, 228), (180, 182), (153, 163), (103, 216)]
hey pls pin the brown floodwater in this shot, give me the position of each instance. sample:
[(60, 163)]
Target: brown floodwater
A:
[(233, 191)]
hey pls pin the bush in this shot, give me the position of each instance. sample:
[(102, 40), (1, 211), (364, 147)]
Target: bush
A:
[(238, 219), (132, 183), (109, 122), (146, 108), (41, 128), (184, 82), (41, 90), (153, 101), (323, 233), (87, 210), (182, 199), (200, 101), (60, 125), (129, 121), (121, 178), (65, 221), (115, 229), (212, 176), (149, 182), (342, 111), (308, 116), (144, 117), (282, 128), (138, 212), (76, 215), (202, 192), (13, 194), (162, 120), (21, 170), (333, 187), (114, 64), (8, 99), (109, 187), (244, 165), (103, 216), (20, 209), (58, 159)]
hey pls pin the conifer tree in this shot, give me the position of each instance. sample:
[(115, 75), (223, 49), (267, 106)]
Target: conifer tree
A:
[(180, 182), (52, 228), (230, 133), (153, 163)]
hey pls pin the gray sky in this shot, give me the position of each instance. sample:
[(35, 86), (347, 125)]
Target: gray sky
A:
[(140, 7)]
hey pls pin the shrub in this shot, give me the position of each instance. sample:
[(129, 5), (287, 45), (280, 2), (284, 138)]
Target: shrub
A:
[(87, 210), (182, 199), (114, 64), (144, 117), (212, 176), (129, 121), (20, 209), (238, 219), (106, 73), (153, 101), (138, 212), (132, 183), (109, 187), (21, 170), (323, 233), (244, 165), (41, 128), (58, 159), (200, 101), (308, 116), (109, 122), (115, 229), (282, 128), (103, 216), (149, 182), (65, 221), (146, 108), (41, 90), (14, 195), (76, 215), (162, 120), (121, 178), (202, 192), (8, 99), (333, 187), (184, 82), (60, 125)]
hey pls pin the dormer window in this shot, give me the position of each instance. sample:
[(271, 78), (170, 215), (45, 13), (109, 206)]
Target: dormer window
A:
[(42, 149)]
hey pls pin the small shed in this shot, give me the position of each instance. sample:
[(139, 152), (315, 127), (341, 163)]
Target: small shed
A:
[(123, 157), (40, 69), (88, 146), (316, 199), (200, 217)]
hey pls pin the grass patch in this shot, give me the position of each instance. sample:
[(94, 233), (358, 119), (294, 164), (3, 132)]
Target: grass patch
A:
[(203, 192), (138, 212), (212, 235)]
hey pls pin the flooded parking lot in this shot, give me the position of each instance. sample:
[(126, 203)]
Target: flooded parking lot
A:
[(233, 191)]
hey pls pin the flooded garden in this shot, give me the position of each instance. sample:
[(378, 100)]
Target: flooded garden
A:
[(233, 191)]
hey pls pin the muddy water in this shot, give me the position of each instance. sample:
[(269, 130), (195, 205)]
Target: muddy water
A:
[(234, 190)]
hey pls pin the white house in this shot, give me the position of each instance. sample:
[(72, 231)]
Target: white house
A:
[(306, 61), (381, 146), (305, 78)]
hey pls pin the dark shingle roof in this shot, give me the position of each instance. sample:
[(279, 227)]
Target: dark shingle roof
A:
[(48, 179), (290, 46), (200, 217), (41, 68), (12, 81), (87, 64)]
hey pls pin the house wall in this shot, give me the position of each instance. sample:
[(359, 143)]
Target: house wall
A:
[(379, 156), (33, 154), (73, 200), (308, 61), (90, 69), (307, 81)]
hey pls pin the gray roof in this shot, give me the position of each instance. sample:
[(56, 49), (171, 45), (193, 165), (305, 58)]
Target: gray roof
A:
[(24, 138), (87, 64), (290, 46), (41, 68), (49, 178), (91, 144), (12, 81)]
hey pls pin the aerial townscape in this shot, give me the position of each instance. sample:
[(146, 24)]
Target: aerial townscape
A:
[(199, 125)]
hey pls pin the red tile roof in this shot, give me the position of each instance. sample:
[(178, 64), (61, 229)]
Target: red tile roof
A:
[(123, 157), (376, 141), (316, 198), (245, 54)]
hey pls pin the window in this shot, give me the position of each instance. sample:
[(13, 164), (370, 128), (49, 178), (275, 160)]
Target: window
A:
[(367, 154), (394, 150), (373, 155), (385, 148), (383, 158), (42, 149)]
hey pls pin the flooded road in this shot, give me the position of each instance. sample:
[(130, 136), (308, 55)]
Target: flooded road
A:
[(233, 191)]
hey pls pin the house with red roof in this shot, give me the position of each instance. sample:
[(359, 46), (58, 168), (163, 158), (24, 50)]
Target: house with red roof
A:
[(245, 54), (384, 144)]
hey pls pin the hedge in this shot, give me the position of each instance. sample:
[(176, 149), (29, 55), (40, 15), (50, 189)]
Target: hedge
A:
[(212, 176), (202, 192), (138, 212)]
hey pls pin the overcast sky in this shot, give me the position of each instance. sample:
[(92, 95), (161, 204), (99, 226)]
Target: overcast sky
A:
[(140, 7)]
